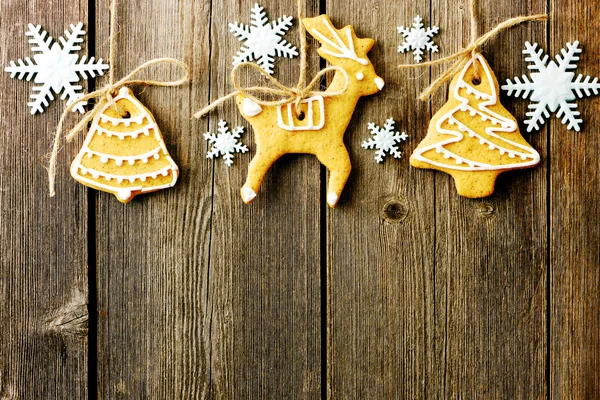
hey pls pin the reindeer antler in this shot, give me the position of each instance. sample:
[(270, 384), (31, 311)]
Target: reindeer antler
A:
[(323, 30)]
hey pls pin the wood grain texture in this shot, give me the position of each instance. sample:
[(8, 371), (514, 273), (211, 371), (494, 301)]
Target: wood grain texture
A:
[(380, 239), (575, 237), (43, 240), (491, 261), (152, 254), (264, 287)]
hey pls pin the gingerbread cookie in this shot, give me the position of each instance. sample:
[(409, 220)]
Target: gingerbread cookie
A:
[(124, 152), (319, 128), (473, 137)]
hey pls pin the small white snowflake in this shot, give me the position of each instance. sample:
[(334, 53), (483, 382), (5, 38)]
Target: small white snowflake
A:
[(225, 143), (418, 39), (553, 86), (384, 140), (263, 39), (55, 68)]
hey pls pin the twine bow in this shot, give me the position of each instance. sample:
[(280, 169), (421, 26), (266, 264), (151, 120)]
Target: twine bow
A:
[(106, 95), (463, 56), (286, 94)]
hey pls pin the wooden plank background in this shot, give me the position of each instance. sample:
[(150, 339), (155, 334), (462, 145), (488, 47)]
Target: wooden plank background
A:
[(405, 291)]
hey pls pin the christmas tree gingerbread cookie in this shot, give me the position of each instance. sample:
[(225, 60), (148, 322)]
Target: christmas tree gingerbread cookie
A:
[(319, 125), (124, 152), (473, 137)]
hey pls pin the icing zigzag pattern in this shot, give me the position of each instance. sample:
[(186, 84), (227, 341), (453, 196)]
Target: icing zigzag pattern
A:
[(124, 152)]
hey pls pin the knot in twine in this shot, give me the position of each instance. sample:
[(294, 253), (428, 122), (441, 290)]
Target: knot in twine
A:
[(287, 94), (106, 95), (470, 51)]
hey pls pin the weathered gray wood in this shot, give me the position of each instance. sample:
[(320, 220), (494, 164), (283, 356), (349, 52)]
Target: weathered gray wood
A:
[(574, 232), (491, 260), (152, 254), (380, 240), (451, 301), (201, 296), (265, 257), (43, 240)]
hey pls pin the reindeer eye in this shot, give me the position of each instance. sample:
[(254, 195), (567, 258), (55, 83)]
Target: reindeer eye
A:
[(360, 76)]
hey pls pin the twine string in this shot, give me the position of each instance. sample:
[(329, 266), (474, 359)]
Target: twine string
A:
[(463, 56), (106, 95), (286, 94)]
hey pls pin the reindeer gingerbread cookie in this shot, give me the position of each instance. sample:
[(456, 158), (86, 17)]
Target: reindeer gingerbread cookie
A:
[(318, 127)]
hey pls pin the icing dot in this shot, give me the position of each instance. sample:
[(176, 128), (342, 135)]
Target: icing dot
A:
[(89, 154), (124, 194), (131, 180), (119, 162), (122, 137), (165, 173), (114, 123), (143, 179), (147, 132), (360, 76), (492, 147), (104, 119), (135, 135), (119, 180), (145, 160), (131, 162), (95, 175), (156, 156), (104, 159)]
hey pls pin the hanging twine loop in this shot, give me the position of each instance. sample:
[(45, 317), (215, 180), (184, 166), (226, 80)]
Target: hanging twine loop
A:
[(106, 95), (286, 94), (463, 56)]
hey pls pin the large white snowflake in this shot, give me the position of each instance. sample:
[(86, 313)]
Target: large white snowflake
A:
[(553, 86), (263, 39), (418, 39), (384, 140), (225, 143), (55, 68)]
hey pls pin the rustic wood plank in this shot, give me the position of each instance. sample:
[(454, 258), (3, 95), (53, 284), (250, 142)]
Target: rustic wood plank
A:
[(197, 305), (491, 254), (438, 306), (574, 233), (264, 286), (43, 240), (380, 252), (152, 254)]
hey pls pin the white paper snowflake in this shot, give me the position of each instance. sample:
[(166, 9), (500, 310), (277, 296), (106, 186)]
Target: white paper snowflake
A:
[(263, 39), (418, 39), (55, 68), (225, 143), (384, 140), (553, 86)]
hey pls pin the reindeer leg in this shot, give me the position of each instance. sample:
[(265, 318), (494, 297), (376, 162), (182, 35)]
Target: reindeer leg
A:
[(337, 162), (257, 170)]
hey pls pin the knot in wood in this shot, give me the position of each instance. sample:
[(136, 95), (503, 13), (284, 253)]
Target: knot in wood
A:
[(485, 210), (394, 211)]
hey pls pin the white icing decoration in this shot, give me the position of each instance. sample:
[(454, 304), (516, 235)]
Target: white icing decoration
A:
[(263, 40), (360, 76), (76, 166), (251, 108), (130, 159), (345, 51), (55, 68), (124, 194), (310, 124), (506, 125)]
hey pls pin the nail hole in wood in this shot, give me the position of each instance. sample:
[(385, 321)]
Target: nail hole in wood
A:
[(486, 210)]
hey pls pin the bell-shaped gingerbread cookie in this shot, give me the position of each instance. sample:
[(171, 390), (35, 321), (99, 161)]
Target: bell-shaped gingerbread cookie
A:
[(124, 152), (473, 137)]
